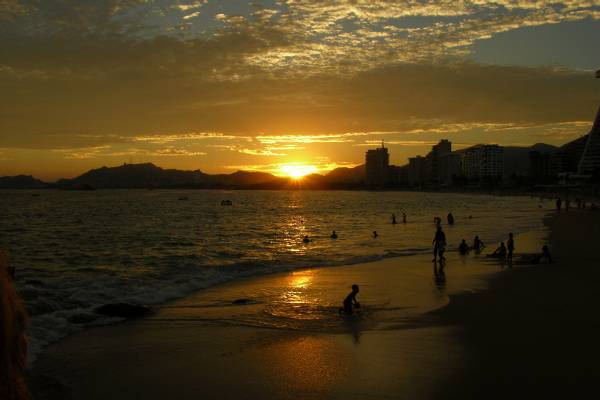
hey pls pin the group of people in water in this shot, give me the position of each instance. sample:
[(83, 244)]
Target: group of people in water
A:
[(504, 253), (567, 203)]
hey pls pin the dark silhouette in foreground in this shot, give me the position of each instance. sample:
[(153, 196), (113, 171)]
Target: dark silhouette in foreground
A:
[(439, 245), (394, 219), (350, 302), (375, 235), (13, 344), (334, 235), (450, 219)]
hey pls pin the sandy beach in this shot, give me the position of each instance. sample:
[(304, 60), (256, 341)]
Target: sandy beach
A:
[(482, 331)]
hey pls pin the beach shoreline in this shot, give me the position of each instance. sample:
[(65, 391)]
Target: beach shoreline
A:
[(425, 336)]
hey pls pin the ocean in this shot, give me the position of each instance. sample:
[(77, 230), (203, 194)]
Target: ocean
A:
[(74, 251)]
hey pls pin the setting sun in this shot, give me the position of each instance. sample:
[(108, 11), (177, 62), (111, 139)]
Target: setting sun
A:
[(297, 171)]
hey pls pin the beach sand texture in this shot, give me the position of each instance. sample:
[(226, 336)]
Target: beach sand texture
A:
[(485, 331)]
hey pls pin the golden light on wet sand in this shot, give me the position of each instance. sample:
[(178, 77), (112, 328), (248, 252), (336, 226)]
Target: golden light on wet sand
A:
[(297, 171)]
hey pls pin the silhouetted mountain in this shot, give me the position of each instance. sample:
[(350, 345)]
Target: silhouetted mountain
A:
[(21, 182), (247, 180), (150, 176), (134, 176), (347, 175)]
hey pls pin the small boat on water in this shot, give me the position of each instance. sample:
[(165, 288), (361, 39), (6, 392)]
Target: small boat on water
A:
[(226, 203)]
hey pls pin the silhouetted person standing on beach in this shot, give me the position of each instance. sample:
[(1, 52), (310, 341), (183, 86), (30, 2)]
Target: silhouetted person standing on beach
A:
[(477, 244), (439, 244), (394, 219), (350, 301), (403, 218), (558, 204), (510, 246), (333, 235), (375, 234), (450, 219), (463, 248)]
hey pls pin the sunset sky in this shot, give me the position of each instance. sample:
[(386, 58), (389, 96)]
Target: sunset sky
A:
[(227, 85)]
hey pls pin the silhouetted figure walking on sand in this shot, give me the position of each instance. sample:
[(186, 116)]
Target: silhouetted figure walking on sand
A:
[(463, 248), (510, 246), (350, 301), (394, 219), (499, 253), (450, 219), (333, 235), (439, 245), (477, 244), (558, 204), (403, 218), (375, 234)]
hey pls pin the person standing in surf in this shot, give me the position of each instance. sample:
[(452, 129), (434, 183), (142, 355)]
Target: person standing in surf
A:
[(439, 244)]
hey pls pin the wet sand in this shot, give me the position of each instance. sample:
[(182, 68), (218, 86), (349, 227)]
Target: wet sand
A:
[(534, 333), (485, 331)]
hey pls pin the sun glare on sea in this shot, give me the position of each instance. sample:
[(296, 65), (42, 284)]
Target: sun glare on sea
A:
[(297, 171)]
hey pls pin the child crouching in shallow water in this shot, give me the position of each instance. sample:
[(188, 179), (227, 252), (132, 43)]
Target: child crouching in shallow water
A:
[(13, 345), (350, 301)]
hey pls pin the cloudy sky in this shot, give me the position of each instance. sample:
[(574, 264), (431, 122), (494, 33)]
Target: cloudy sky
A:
[(227, 85)]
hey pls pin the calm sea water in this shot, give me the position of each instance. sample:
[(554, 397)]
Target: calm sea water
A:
[(75, 251)]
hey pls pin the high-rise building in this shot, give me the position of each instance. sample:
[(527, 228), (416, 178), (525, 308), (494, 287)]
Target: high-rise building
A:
[(440, 156), (377, 167), (590, 159), (483, 163), (417, 171)]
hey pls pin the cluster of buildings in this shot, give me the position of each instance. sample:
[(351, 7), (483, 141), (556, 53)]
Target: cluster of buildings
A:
[(575, 162), (441, 167)]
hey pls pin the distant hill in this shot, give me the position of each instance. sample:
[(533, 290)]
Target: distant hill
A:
[(151, 176), (21, 182), (133, 176)]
